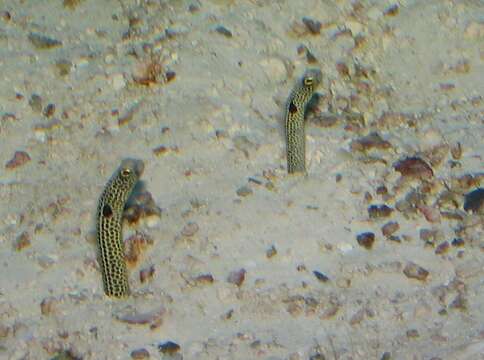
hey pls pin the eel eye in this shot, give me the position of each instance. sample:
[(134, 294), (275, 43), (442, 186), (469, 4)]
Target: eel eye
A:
[(125, 172), (308, 81)]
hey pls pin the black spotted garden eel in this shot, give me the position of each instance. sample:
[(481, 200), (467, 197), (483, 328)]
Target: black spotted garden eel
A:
[(295, 111), (109, 227)]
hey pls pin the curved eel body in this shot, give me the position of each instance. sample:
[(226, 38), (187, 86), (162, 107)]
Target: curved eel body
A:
[(295, 111), (109, 227)]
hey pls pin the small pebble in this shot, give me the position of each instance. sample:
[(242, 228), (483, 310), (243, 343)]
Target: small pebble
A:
[(47, 306), (392, 10), (153, 318), (49, 110), (394, 238), (19, 158), (148, 72), (414, 271), (223, 31), (442, 248), (431, 214), (474, 201), (414, 167), (462, 66), (165, 130), (160, 150), (313, 26), (193, 8), (221, 134), (5, 15), (412, 333), (140, 354), (228, 315), (244, 191), (386, 356), (390, 228), (298, 29), (272, 251), (458, 242), (41, 41), (237, 277), (9, 117), (63, 67), (22, 241), (310, 58), (379, 211), (146, 273), (169, 348), (320, 276), (301, 267), (446, 86), (35, 103), (373, 140), (255, 181), (127, 115), (170, 75), (366, 239), (204, 279)]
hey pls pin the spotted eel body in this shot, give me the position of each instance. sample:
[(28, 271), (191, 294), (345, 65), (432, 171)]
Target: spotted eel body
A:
[(109, 229), (295, 110)]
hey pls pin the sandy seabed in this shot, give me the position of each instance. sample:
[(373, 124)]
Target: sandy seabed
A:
[(377, 253)]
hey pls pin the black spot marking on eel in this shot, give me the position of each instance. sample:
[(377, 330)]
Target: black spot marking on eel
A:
[(107, 211), (292, 108)]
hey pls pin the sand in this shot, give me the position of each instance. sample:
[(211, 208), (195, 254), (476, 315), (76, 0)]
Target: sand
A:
[(233, 258)]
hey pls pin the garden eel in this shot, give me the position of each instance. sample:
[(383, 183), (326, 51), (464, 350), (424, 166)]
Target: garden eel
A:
[(295, 111), (109, 229)]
